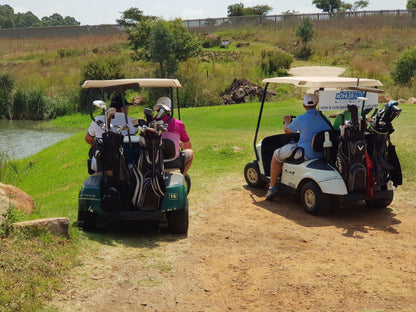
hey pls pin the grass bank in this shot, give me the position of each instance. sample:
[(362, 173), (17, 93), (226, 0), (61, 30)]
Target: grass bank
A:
[(222, 137)]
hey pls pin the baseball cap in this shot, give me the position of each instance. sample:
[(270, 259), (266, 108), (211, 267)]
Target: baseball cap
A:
[(310, 99)]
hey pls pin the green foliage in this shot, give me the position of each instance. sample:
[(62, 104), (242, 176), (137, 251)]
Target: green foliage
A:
[(163, 43), (8, 19), (238, 9), (131, 17), (305, 30), (411, 4), (275, 62), (405, 67), (329, 6), (102, 69), (7, 82), (6, 221)]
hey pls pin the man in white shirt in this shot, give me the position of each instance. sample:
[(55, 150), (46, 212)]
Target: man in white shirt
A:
[(119, 119)]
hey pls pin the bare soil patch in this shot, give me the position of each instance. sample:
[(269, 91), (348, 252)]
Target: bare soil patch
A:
[(243, 253)]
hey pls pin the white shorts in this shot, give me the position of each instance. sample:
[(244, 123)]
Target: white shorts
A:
[(284, 152)]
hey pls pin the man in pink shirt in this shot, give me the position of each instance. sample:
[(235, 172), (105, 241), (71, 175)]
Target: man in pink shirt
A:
[(176, 128)]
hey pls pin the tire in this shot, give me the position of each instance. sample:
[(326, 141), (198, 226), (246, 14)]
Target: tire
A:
[(252, 175), (188, 183), (178, 220), (313, 201), (380, 203), (87, 221)]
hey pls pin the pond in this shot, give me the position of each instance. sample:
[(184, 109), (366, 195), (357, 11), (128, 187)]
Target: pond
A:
[(22, 138)]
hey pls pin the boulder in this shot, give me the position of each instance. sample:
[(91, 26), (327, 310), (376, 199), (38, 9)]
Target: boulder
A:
[(242, 91), (12, 195), (412, 100), (52, 225), (382, 98)]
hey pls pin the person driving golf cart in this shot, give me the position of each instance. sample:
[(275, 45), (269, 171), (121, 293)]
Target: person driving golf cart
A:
[(177, 133), (117, 119), (308, 125)]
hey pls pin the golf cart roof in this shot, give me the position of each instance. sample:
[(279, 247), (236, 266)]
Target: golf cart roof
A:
[(132, 83), (317, 82)]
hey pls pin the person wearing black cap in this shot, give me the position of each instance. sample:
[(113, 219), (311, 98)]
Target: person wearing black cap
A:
[(119, 119), (308, 125)]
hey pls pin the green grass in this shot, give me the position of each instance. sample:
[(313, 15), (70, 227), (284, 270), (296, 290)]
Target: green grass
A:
[(222, 138)]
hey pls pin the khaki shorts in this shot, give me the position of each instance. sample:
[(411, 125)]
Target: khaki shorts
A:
[(284, 152)]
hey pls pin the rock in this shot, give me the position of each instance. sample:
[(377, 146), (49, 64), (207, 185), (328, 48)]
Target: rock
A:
[(242, 91), (12, 195), (412, 100), (52, 225), (402, 101), (382, 98)]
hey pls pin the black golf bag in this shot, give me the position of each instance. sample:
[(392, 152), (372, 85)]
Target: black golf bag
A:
[(381, 150), (115, 181), (148, 171), (351, 155)]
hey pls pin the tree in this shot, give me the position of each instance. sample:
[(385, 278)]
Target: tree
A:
[(6, 16), (165, 43), (411, 4), (261, 10), (27, 19), (131, 17), (360, 4), (238, 9), (305, 31), (405, 67), (235, 9), (329, 6)]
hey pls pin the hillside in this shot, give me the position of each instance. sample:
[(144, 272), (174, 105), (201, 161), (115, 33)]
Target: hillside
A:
[(54, 64)]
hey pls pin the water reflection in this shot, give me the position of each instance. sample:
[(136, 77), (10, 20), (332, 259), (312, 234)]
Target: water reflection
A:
[(21, 138)]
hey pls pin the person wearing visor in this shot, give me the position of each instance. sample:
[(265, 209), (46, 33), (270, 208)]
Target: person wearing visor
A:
[(308, 125), (176, 132)]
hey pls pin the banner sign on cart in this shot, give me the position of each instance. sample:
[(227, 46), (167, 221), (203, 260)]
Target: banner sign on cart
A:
[(338, 100)]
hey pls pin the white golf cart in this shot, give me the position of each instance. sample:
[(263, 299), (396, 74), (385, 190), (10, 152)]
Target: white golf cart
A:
[(345, 174)]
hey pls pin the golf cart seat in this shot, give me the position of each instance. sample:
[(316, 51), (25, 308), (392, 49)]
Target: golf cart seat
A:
[(271, 143), (172, 157), (318, 142)]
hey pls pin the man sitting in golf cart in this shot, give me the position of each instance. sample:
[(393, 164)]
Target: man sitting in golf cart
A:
[(308, 125), (118, 119), (176, 132)]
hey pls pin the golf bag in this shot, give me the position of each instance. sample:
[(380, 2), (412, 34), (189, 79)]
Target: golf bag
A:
[(110, 159), (351, 155), (148, 171), (381, 150)]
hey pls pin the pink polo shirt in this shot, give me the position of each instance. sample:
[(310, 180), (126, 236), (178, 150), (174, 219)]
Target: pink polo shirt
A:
[(177, 126)]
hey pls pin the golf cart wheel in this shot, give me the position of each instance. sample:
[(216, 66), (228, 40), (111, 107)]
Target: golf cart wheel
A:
[(313, 201), (188, 183), (380, 203), (252, 175), (87, 221), (178, 220)]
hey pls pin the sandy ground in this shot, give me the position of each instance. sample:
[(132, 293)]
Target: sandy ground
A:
[(243, 253)]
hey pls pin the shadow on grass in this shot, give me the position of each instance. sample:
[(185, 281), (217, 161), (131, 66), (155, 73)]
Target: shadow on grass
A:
[(138, 234), (353, 219)]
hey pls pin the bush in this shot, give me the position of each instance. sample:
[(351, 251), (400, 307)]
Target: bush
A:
[(6, 88), (19, 108), (405, 67), (275, 62)]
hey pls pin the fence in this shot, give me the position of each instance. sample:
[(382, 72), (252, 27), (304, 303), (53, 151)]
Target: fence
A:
[(345, 20)]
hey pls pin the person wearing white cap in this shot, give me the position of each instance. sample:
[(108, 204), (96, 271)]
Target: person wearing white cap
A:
[(308, 125), (177, 128)]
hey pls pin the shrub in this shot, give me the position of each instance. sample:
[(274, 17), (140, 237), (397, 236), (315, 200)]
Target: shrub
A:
[(275, 62), (405, 67), (20, 105), (6, 88)]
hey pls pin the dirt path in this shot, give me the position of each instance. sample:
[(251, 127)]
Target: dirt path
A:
[(243, 253)]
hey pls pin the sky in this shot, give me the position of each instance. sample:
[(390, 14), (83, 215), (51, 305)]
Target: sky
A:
[(97, 12)]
